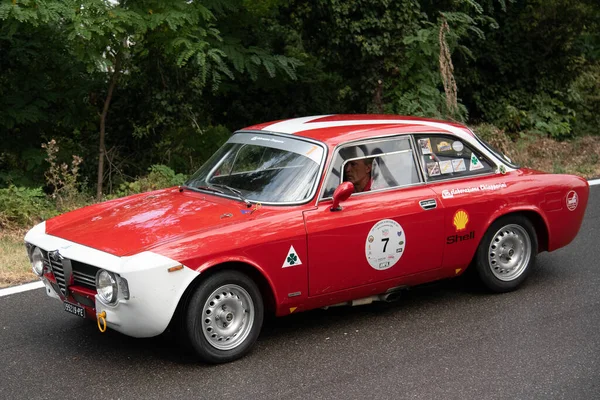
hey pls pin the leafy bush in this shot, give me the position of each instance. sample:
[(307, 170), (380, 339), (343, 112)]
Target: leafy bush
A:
[(160, 177), (543, 114), (583, 94), (20, 207)]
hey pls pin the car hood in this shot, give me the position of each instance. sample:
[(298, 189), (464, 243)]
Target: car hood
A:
[(138, 223)]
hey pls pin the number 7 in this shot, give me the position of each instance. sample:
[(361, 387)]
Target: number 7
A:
[(386, 240)]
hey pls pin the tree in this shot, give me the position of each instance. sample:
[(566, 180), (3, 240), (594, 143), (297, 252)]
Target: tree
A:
[(105, 35)]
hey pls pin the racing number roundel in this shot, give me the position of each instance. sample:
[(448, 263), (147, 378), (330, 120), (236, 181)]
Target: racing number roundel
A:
[(385, 244)]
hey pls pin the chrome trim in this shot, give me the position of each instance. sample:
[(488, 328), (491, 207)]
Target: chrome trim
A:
[(428, 204), (84, 278), (427, 180), (416, 157)]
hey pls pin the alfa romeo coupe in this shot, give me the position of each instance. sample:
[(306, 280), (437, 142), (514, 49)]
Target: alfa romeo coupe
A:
[(299, 214)]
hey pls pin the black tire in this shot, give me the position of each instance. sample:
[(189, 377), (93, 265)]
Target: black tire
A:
[(506, 253), (223, 317)]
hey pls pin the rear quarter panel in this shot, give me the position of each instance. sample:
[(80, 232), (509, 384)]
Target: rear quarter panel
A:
[(502, 194)]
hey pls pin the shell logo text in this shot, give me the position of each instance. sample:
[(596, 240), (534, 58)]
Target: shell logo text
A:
[(460, 220)]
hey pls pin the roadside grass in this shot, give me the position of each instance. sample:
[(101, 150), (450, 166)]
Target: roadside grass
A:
[(14, 264), (580, 156)]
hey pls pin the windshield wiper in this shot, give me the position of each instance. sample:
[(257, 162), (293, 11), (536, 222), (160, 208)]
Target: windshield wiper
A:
[(199, 189), (234, 191)]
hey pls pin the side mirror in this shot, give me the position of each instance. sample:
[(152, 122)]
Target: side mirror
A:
[(341, 193)]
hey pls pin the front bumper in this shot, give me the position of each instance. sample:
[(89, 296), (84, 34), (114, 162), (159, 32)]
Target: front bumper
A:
[(154, 291)]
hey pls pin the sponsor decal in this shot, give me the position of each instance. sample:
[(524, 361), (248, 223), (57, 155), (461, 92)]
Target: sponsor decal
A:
[(572, 200), (460, 238), (267, 139), (446, 167), (292, 259), (425, 145), (458, 164), (457, 146), (475, 163), (433, 169), (381, 249), (449, 193), (443, 146), (460, 220)]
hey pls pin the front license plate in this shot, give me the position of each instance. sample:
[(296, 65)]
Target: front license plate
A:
[(75, 310)]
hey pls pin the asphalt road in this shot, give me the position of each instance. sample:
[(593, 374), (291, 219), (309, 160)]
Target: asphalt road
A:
[(442, 341)]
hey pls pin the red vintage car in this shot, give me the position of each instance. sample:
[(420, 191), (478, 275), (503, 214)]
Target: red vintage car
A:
[(294, 215)]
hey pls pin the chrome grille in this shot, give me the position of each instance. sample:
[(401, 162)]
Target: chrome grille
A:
[(56, 266), (81, 274), (84, 279)]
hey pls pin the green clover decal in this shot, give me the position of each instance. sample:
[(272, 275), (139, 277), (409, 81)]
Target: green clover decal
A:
[(474, 160), (292, 259)]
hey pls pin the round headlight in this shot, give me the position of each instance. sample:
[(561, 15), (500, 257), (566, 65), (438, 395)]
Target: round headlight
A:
[(37, 261), (106, 286)]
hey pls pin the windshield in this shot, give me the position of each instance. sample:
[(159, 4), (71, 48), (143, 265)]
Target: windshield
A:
[(262, 168)]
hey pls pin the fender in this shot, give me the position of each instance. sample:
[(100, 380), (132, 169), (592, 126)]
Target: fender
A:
[(516, 209), (203, 268)]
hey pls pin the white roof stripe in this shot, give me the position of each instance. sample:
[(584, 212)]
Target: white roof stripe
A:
[(303, 124), (293, 125)]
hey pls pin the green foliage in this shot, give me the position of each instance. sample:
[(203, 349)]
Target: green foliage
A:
[(160, 177), (189, 73), (22, 207)]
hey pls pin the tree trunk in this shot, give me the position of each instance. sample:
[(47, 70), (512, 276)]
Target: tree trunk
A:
[(102, 150)]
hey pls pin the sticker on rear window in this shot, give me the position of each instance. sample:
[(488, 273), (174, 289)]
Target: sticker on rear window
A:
[(457, 146), (425, 145), (446, 167), (385, 244), (443, 146), (475, 163), (458, 164), (433, 169)]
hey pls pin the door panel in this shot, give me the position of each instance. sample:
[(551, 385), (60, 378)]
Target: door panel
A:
[(339, 242)]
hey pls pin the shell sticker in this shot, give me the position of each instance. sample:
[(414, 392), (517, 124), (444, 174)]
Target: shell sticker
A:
[(385, 244), (292, 259), (460, 220)]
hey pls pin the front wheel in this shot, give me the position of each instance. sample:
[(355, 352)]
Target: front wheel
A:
[(223, 317), (506, 253)]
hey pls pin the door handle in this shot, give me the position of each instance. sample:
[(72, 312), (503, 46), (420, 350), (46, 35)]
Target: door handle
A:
[(428, 204)]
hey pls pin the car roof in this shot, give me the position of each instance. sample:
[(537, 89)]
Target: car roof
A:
[(335, 129)]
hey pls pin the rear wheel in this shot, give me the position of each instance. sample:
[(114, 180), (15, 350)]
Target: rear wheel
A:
[(506, 253), (223, 317)]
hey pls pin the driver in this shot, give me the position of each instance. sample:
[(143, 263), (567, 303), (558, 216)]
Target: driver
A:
[(359, 173)]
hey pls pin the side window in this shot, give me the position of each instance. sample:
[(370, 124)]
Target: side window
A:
[(373, 165), (444, 157)]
